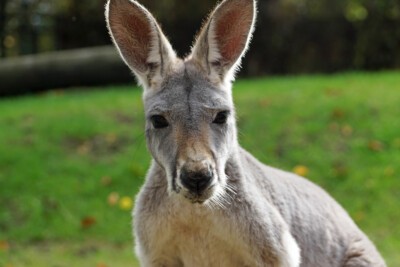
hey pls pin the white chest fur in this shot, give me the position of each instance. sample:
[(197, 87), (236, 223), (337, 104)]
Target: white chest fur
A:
[(192, 235)]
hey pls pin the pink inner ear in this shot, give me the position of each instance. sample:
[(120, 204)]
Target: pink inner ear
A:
[(132, 32), (232, 29)]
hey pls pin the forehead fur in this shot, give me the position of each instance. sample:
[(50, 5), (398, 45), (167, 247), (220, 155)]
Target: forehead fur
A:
[(187, 89)]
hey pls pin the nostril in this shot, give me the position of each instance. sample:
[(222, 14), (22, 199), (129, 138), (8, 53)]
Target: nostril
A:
[(203, 182), (196, 182)]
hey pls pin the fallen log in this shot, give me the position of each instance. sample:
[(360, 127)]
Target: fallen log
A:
[(55, 70)]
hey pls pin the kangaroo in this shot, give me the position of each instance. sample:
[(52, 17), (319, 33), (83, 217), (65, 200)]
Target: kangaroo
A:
[(206, 201)]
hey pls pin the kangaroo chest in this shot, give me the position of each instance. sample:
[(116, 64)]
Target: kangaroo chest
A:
[(196, 237)]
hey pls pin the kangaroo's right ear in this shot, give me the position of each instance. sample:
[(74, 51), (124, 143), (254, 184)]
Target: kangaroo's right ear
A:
[(139, 40)]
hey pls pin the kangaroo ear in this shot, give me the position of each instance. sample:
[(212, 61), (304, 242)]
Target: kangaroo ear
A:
[(224, 38), (139, 40)]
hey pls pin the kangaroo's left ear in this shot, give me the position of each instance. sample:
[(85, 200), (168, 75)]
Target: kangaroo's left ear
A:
[(224, 39)]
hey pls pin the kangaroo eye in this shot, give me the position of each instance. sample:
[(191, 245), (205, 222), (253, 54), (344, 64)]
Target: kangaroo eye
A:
[(221, 117), (159, 121)]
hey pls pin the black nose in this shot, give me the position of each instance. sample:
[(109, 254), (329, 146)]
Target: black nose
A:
[(196, 182)]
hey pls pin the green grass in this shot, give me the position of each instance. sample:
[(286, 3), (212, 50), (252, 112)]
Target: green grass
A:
[(96, 254), (63, 153)]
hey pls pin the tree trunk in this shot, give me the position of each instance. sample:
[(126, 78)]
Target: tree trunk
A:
[(81, 67), (3, 4)]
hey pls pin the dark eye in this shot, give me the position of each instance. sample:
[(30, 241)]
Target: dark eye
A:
[(221, 117), (159, 121)]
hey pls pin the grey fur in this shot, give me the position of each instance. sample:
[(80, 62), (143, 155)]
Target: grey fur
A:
[(251, 214)]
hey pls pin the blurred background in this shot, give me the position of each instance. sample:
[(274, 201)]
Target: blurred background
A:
[(292, 36), (325, 74)]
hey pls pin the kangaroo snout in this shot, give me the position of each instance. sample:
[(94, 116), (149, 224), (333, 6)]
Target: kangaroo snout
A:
[(196, 181), (196, 170)]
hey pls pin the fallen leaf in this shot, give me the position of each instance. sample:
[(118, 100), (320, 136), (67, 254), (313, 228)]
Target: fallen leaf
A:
[(340, 169), (113, 198), (4, 245), (337, 113), (111, 138), (332, 92), (389, 171), (375, 145), (88, 222), (84, 148), (334, 127), (264, 103), (126, 203), (300, 170), (101, 265), (347, 130), (106, 180)]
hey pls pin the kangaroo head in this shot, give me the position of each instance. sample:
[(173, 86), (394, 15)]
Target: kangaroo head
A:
[(190, 117)]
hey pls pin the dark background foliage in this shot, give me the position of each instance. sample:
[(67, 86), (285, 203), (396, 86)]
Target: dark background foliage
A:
[(292, 36)]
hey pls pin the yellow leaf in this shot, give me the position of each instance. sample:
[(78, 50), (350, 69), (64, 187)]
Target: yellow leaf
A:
[(126, 203), (300, 170)]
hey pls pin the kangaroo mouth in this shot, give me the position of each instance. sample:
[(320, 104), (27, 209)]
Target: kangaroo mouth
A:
[(199, 197), (198, 201)]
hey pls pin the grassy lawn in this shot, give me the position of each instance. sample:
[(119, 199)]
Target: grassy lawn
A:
[(71, 162)]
